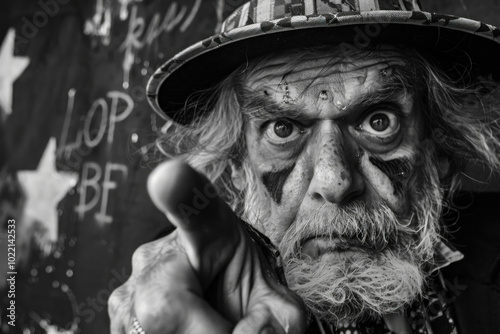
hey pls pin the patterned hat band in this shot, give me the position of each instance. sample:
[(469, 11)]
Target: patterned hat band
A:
[(264, 26), (268, 10)]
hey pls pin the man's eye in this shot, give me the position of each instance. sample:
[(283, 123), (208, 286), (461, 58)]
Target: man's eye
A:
[(282, 131), (380, 123)]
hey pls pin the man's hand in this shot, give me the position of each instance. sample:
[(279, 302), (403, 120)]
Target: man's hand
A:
[(208, 276)]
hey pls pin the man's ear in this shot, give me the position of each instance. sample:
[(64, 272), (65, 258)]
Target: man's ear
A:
[(443, 167), (237, 175)]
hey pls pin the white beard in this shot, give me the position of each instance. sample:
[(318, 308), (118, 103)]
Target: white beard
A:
[(368, 285)]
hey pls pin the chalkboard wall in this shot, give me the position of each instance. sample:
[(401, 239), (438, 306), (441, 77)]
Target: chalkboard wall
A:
[(77, 143)]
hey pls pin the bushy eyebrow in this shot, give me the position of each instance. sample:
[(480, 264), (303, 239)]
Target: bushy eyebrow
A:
[(393, 92), (259, 106), (262, 107)]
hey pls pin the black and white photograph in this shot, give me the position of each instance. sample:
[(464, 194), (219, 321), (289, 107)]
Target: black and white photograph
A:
[(250, 167)]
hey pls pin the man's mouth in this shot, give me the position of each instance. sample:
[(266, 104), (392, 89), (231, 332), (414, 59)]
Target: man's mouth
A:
[(317, 246)]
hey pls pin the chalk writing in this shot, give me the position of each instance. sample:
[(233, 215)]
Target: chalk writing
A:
[(100, 24), (139, 35), (67, 119), (105, 113), (95, 183), (101, 105), (114, 116), (92, 174)]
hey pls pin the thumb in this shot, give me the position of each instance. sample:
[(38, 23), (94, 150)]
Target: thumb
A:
[(208, 230)]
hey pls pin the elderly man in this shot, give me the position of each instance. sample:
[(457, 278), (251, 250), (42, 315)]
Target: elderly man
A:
[(324, 131)]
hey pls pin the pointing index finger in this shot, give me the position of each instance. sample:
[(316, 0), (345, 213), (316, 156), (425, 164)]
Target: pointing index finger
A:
[(207, 227)]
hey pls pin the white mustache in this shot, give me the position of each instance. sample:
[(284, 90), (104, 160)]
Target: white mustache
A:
[(373, 229)]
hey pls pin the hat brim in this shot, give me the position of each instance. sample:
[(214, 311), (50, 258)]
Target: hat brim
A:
[(453, 40)]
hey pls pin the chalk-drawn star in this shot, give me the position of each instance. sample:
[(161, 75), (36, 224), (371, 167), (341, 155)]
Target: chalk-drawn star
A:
[(44, 188), (11, 68)]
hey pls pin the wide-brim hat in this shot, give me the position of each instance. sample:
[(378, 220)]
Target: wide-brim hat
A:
[(263, 26)]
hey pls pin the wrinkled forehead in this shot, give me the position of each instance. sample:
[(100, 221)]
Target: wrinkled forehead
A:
[(336, 66)]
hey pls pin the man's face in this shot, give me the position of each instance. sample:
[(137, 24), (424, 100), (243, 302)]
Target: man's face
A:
[(332, 142)]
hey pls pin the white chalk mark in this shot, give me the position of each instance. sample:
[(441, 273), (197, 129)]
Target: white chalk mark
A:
[(140, 34), (67, 120), (191, 16), (12, 67), (44, 188)]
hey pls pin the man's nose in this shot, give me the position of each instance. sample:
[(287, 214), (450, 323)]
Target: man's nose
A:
[(336, 178)]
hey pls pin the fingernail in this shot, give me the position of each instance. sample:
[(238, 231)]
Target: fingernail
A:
[(267, 330)]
